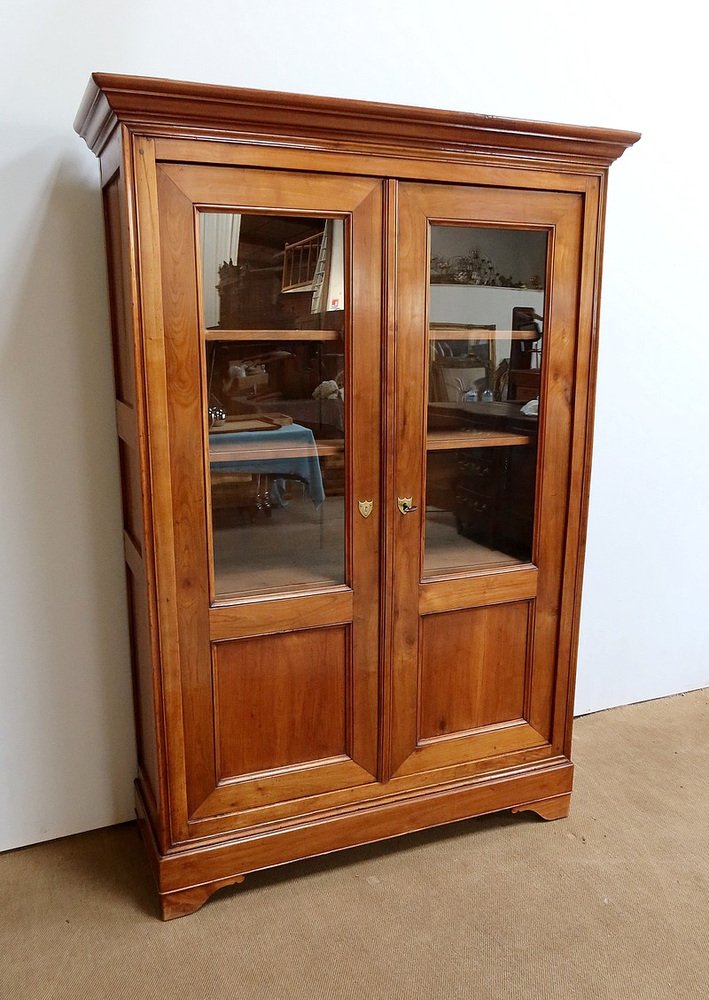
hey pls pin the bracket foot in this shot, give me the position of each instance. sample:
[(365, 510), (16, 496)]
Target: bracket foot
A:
[(182, 902), (554, 808)]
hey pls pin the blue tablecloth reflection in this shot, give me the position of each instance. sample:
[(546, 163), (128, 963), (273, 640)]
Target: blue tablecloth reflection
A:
[(243, 452)]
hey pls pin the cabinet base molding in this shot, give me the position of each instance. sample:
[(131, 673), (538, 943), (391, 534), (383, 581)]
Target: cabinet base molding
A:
[(188, 874), (555, 808)]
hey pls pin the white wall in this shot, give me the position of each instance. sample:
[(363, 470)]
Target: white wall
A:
[(66, 752)]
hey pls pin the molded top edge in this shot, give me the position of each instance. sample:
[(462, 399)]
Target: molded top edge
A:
[(149, 101)]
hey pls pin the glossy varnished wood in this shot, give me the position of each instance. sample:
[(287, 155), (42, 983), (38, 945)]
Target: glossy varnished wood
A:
[(238, 619), (118, 196), (178, 190), (182, 902), (560, 216), (473, 665), (146, 102), (229, 858), (279, 727), (280, 335), (183, 401), (471, 590), (280, 700), (449, 440), (554, 808), (584, 401)]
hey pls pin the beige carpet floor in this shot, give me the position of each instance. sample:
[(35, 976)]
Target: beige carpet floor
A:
[(610, 903)]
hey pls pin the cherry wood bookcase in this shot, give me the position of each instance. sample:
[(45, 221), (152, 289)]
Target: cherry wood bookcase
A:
[(354, 360)]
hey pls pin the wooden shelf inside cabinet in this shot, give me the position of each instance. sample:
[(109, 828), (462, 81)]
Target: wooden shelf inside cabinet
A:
[(279, 335), (237, 452), (476, 333), (447, 440)]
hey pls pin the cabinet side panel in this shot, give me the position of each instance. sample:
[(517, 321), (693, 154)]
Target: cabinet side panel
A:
[(127, 378)]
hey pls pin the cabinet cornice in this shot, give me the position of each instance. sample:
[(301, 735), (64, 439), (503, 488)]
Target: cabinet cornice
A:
[(169, 107)]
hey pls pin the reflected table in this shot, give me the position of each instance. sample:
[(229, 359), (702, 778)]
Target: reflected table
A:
[(287, 453)]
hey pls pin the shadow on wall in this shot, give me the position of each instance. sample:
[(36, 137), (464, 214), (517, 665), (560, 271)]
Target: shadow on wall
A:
[(69, 712)]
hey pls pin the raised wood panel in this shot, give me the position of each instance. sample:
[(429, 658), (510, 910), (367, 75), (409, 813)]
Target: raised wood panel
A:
[(472, 668), (281, 791), (131, 493), (141, 660), (118, 290), (438, 755), (280, 700)]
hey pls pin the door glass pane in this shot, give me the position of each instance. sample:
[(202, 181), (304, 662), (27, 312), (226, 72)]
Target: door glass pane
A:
[(486, 326), (274, 349)]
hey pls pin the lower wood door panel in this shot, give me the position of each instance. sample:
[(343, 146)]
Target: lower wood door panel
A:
[(280, 701), (473, 669), (471, 691), (283, 720)]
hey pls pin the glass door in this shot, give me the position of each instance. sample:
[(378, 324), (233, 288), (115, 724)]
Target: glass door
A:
[(486, 297), (271, 299), (276, 368), (486, 314)]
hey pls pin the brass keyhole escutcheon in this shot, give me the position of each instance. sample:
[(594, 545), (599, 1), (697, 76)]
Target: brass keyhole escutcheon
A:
[(405, 504), (365, 507)]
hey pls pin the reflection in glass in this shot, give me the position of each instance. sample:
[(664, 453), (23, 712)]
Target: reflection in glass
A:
[(274, 342), (486, 324)]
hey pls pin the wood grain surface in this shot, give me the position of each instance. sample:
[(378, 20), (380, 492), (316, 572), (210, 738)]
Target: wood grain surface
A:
[(276, 726)]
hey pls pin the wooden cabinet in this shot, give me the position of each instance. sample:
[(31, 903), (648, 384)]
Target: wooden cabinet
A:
[(354, 350)]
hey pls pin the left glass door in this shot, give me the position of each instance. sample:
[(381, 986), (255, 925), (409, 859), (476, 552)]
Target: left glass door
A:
[(275, 368), (271, 315)]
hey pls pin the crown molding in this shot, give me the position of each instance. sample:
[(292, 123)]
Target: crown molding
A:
[(168, 107)]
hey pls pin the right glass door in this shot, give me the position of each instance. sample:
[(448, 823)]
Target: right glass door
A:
[(486, 293), (486, 321)]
